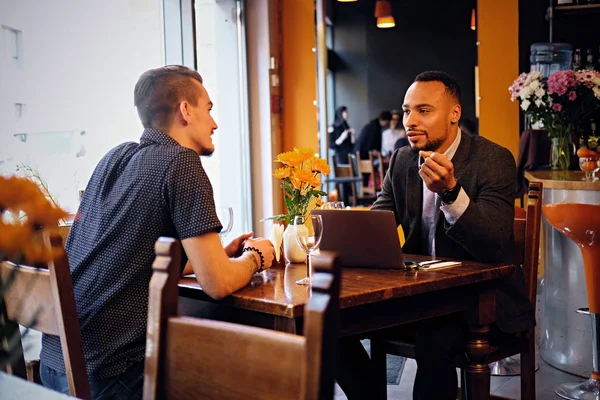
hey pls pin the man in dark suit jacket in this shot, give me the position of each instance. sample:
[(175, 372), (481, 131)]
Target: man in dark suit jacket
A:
[(453, 195)]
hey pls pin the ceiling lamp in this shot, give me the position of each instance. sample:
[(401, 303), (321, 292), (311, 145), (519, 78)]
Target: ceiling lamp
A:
[(473, 20), (383, 13)]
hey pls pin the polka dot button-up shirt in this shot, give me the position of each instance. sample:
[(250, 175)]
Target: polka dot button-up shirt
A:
[(137, 193)]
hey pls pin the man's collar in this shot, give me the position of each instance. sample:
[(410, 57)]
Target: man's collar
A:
[(151, 135)]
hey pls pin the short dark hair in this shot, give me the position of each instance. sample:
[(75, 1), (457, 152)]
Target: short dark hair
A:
[(448, 80), (385, 116), (159, 92)]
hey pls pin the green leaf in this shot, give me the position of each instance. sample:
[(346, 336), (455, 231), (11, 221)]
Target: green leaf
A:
[(280, 217)]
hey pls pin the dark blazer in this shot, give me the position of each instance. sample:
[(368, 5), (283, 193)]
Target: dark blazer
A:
[(486, 171)]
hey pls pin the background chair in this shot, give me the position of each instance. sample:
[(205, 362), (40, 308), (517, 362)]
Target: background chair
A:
[(347, 191), (42, 299), (195, 358), (527, 241), (365, 189)]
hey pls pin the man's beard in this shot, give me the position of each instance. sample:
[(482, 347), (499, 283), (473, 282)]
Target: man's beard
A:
[(207, 152), (430, 145)]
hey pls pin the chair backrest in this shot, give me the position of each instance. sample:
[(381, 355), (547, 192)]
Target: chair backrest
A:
[(366, 167), (344, 171), (42, 299), (380, 172), (527, 237), (196, 358)]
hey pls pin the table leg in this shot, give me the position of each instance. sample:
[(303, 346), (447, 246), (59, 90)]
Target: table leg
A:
[(283, 324), (478, 370)]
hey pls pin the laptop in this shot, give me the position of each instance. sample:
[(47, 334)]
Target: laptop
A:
[(363, 239)]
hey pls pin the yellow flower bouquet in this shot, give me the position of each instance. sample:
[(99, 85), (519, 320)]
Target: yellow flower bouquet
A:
[(300, 180), (25, 211), (301, 183)]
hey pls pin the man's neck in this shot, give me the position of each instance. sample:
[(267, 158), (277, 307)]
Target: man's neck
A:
[(449, 140), (180, 137)]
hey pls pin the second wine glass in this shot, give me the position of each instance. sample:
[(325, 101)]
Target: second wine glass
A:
[(309, 231), (225, 215)]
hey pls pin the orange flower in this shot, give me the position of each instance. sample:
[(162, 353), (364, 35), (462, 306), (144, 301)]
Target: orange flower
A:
[(320, 165), (15, 191), (297, 183), (319, 202), (307, 153), (315, 181), (41, 212), (305, 175), (23, 195), (281, 173), (301, 179), (12, 237), (290, 158)]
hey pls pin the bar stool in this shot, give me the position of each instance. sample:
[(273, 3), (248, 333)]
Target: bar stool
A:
[(581, 223)]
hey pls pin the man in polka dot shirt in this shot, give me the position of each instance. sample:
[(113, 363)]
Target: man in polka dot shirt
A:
[(137, 193)]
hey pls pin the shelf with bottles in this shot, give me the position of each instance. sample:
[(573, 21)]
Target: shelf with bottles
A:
[(582, 8), (586, 60)]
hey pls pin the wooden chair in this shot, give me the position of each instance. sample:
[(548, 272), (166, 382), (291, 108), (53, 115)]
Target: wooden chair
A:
[(365, 195), (380, 174), (345, 171), (42, 299), (527, 241), (191, 358), (366, 168)]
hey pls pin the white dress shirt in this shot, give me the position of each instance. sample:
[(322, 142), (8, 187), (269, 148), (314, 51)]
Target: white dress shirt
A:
[(452, 212)]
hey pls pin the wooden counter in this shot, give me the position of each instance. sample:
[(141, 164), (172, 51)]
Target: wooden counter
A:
[(569, 180)]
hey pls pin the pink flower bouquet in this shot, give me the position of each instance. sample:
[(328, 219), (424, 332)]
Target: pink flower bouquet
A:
[(559, 102)]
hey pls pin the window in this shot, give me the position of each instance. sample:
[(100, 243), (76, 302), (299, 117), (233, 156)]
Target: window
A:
[(79, 77), (220, 58)]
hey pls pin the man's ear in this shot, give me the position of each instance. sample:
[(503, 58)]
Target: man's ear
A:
[(184, 113), (455, 114)]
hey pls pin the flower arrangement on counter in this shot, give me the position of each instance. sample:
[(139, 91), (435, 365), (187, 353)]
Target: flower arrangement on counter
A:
[(300, 180), (24, 212), (559, 102)]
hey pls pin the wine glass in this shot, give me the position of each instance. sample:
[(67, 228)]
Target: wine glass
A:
[(333, 205), (225, 215), (308, 238), (590, 166)]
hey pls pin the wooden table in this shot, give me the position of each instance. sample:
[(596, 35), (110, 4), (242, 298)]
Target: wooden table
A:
[(373, 299)]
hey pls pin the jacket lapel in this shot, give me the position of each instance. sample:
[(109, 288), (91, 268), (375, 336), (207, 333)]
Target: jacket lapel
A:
[(414, 198)]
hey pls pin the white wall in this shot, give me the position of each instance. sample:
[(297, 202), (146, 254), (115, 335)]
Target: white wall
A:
[(81, 60)]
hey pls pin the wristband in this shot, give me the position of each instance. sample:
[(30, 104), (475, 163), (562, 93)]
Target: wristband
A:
[(262, 259)]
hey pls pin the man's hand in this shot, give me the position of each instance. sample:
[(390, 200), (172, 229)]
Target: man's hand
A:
[(437, 172), (265, 247), (234, 249)]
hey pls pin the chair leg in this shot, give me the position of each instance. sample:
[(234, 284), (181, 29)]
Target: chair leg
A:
[(379, 363), (463, 382), (528, 368), (33, 371)]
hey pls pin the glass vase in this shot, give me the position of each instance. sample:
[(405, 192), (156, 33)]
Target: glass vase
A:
[(560, 154)]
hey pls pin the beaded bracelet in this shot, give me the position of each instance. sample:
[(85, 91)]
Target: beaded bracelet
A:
[(262, 259)]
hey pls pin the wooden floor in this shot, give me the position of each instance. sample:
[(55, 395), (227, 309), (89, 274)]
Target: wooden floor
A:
[(546, 378)]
